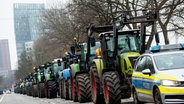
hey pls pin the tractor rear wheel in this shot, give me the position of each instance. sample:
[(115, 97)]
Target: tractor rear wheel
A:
[(69, 90), (74, 90), (65, 89), (97, 97), (52, 89), (35, 90), (30, 90), (111, 88), (41, 90), (61, 89), (83, 88)]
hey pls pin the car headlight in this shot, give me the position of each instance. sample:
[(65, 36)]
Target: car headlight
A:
[(170, 83)]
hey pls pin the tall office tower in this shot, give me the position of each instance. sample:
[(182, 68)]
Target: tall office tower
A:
[(5, 63), (27, 19)]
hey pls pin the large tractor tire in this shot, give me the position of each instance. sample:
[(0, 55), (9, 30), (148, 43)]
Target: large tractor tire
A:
[(83, 88), (61, 89), (45, 90), (69, 89), (35, 90), (74, 90), (27, 93), (97, 97), (27, 90), (20, 90), (41, 90), (52, 89), (65, 90), (111, 88), (24, 90), (30, 90)]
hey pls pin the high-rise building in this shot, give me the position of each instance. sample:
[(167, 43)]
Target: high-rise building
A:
[(26, 23), (5, 63)]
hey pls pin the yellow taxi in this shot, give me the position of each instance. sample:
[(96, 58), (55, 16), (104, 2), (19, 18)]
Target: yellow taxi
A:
[(158, 76)]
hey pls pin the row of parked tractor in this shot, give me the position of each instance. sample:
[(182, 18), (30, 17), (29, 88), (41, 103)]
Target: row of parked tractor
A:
[(99, 70)]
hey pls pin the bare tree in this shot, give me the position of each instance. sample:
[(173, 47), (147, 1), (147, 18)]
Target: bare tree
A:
[(60, 26), (169, 10), (170, 13), (24, 67)]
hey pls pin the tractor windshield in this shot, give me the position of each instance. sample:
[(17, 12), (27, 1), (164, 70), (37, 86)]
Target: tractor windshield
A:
[(128, 42), (57, 68), (93, 49)]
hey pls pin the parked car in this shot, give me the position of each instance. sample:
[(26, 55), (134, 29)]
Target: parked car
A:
[(159, 76)]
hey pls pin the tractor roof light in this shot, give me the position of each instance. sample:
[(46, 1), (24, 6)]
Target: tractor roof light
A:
[(167, 47), (139, 26), (66, 53), (34, 68), (98, 52)]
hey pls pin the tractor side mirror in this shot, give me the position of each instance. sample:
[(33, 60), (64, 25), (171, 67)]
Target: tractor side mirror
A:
[(92, 42), (64, 58), (157, 39), (59, 62), (45, 66)]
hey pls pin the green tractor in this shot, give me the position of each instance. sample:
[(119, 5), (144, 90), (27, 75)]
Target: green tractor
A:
[(112, 69), (79, 70), (34, 86), (57, 66), (50, 82), (79, 76), (28, 84), (50, 76), (41, 81)]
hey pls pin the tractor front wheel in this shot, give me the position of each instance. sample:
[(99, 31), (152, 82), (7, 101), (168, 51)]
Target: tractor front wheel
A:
[(41, 90), (111, 88), (83, 88), (52, 89), (97, 97)]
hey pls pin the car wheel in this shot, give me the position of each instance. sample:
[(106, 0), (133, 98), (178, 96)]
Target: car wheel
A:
[(135, 97), (157, 97)]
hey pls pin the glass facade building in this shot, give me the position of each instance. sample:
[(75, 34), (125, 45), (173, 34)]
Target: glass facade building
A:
[(27, 20), (5, 63)]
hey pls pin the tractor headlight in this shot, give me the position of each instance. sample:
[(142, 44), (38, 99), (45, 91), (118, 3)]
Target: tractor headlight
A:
[(170, 83)]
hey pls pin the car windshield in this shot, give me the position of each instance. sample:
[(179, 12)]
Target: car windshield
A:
[(169, 61)]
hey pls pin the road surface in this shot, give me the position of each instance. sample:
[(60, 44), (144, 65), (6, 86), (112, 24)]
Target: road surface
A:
[(24, 99)]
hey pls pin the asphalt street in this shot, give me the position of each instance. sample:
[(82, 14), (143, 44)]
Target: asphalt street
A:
[(24, 99)]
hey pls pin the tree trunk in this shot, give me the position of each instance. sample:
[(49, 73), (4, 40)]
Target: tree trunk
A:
[(165, 34)]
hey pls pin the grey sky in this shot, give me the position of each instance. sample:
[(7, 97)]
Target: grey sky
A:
[(6, 23)]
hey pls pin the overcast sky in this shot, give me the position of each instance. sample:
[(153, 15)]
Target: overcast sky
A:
[(6, 23)]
